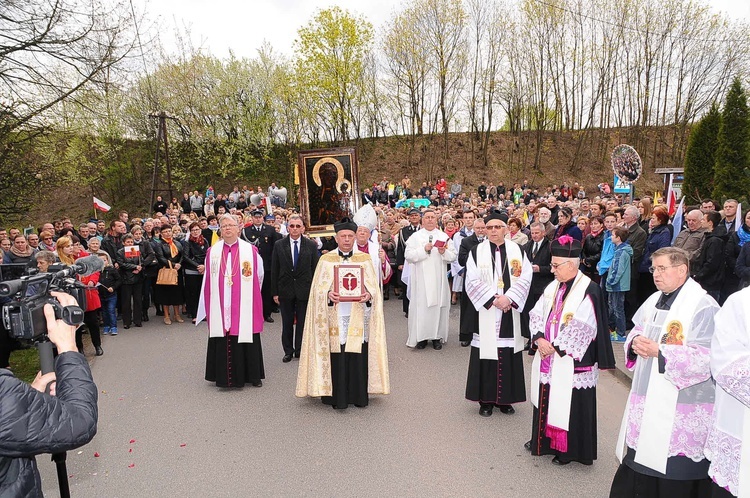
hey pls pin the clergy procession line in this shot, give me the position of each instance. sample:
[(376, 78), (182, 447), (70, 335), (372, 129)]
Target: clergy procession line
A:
[(684, 431)]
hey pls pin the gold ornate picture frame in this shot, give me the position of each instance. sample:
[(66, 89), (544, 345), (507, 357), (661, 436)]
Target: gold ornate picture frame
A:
[(329, 187)]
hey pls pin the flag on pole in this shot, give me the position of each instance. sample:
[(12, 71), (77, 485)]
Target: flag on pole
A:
[(738, 218), (101, 205), (677, 221), (671, 200)]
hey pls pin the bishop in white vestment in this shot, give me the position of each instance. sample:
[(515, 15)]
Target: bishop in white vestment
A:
[(428, 253)]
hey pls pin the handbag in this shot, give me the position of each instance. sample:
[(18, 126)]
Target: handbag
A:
[(167, 276)]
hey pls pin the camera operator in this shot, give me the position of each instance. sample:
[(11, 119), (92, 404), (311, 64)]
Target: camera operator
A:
[(32, 422)]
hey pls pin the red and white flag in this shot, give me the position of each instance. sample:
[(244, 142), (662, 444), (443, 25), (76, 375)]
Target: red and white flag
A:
[(101, 205), (132, 251), (671, 200)]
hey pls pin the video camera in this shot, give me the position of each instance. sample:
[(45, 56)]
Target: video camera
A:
[(23, 316)]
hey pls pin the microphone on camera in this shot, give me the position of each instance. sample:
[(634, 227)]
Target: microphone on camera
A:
[(83, 266)]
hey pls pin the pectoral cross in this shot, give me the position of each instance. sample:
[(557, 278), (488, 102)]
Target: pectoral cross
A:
[(500, 283), (229, 280)]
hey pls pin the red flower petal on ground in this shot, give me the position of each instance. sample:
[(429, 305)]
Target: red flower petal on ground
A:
[(132, 441), (131, 465), (96, 454), (183, 445)]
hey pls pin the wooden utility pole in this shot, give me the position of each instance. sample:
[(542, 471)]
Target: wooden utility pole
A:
[(161, 135)]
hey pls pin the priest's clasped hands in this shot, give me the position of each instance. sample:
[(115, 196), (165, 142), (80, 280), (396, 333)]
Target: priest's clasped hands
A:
[(544, 347), (645, 347), (502, 302), (334, 297)]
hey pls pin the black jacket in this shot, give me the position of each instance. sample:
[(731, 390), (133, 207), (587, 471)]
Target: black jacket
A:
[(111, 245), (160, 207), (33, 423), (286, 282), (542, 278), (742, 267), (195, 254), (709, 272), (591, 254), (403, 236), (109, 277), (164, 254)]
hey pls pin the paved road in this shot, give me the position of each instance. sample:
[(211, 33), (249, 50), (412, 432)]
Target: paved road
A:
[(194, 440)]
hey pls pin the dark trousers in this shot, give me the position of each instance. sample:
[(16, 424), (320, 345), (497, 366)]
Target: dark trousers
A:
[(268, 303), (91, 320), (192, 293), (631, 299), (291, 335), (132, 302), (147, 292), (530, 303)]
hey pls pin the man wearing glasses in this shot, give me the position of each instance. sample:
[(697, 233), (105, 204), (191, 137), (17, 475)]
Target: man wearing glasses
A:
[(232, 305), (498, 279), (293, 265), (668, 415), (569, 327)]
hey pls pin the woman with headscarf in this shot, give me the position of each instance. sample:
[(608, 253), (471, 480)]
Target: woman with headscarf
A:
[(67, 251), (170, 253), (566, 225), (195, 265)]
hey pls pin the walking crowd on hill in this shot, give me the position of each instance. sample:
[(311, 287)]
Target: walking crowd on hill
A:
[(551, 271)]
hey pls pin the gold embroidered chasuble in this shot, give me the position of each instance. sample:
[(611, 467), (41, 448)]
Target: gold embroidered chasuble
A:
[(321, 335)]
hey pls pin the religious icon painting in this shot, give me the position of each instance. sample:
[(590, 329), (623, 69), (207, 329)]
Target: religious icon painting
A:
[(567, 319), (348, 282), (675, 335), (515, 267), (247, 269), (329, 186)]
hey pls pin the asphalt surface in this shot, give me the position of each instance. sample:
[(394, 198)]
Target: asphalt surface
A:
[(165, 431)]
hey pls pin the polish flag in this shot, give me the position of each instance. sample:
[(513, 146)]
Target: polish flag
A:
[(101, 205), (671, 199)]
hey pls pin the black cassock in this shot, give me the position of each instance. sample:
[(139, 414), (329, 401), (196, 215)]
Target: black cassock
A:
[(582, 423), (501, 381)]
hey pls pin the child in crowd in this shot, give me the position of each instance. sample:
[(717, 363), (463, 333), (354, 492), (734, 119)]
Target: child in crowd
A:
[(618, 282), (109, 281)]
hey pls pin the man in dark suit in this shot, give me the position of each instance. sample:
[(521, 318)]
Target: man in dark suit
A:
[(264, 237), (537, 249), (469, 320), (415, 217), (637, 239), (292, 268)]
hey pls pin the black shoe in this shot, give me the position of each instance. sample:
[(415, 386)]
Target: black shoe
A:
[(159, 313), (139, 325), (126, 327), (400, 297), (421, 344), (145, 319), (275, 310), (507, 409), (257, 383), (287, 358), (269, 319), (99, 351), (436, 345), (557, 461), (386, 297), (296, 355), (465, 344), (485, 410), (527, 445), (406, 314)]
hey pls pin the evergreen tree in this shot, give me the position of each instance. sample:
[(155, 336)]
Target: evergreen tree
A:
[(701, 157), (733, 152)]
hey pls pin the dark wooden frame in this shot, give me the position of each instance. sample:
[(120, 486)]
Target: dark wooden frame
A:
[(346, 157)]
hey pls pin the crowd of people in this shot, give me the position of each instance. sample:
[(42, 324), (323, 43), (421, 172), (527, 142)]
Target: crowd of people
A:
[(547, 270)]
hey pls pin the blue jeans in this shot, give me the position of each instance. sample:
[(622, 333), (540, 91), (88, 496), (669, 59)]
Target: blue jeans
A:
[(616, 302), (109, 313)]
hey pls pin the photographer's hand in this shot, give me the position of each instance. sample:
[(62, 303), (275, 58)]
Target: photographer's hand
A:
[(42, 381), (59, 332)]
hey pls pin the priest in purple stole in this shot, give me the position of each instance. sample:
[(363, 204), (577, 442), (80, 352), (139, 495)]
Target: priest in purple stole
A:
[(232, 304), (569, 327)]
